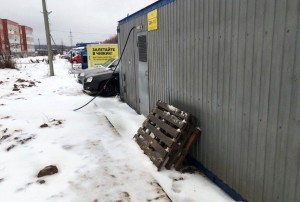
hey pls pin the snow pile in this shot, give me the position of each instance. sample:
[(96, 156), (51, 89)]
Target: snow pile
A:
[(92, 148)]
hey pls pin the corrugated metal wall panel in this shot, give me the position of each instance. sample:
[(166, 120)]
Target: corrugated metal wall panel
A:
[(235, 65), (290, 84), (255, 99), (129, 67)]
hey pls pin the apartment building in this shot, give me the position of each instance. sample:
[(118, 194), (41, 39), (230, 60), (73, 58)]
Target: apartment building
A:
[(27, 39), (16, 39), (2, 46)]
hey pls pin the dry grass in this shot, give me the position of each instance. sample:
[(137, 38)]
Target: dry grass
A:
[(8, 64)]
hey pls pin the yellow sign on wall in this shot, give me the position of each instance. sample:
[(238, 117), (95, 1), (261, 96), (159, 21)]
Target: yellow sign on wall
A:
[(100, 53), (152, 20)]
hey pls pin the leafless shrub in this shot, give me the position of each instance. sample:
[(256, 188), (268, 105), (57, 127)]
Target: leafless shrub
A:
[(6, 61)]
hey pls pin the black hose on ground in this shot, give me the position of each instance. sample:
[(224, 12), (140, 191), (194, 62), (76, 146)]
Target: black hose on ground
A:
[(100, 91)]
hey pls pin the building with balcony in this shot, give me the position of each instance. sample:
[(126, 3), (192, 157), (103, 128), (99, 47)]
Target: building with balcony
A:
[(2, 46), (16, 39), (27, 39)]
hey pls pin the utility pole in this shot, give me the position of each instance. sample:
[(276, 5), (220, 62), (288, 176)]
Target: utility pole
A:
[(71, 39), (50, 57), (39, 43), (62, 46)]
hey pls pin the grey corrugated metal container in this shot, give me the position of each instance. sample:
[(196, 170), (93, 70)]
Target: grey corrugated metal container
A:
[(235, 64)]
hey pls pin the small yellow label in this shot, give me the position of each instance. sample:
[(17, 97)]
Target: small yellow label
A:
[(152, 20)]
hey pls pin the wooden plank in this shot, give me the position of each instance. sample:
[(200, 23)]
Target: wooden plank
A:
[(136, 136), (157, 160), (153, 143), (196, 133), (180, 144), (172, 157), (171, 118), (173, 110), (168, 141), (173, 132)]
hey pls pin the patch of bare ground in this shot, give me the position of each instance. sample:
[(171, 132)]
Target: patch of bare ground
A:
[(22, 83), (14, 138), (52, 122)]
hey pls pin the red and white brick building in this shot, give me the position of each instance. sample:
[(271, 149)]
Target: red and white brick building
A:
[(2, 45), (16, 39), (27, 40)]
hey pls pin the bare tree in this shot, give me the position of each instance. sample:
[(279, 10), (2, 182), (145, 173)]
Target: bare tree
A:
[(113, 39)]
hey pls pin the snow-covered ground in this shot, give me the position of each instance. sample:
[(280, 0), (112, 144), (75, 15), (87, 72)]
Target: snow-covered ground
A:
[(93, 149)]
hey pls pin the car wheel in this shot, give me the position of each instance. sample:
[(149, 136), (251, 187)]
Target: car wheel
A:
[(108, 90)]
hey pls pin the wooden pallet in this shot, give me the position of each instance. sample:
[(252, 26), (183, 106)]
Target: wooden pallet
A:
[(166, 135)]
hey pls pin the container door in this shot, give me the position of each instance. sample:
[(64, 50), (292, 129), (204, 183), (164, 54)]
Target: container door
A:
[(143, 79)]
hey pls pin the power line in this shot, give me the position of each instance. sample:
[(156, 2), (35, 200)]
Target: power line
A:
[(53, 40), (76, 32)]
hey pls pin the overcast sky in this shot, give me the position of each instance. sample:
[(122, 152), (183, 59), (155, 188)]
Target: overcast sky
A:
[(89, 20)]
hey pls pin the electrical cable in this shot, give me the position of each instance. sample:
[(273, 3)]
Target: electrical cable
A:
[(100, 91)]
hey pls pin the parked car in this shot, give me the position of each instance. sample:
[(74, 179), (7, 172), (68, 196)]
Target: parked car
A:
[(71, 53), (106, 81), (66, 56), (111, 63), (76, 58)]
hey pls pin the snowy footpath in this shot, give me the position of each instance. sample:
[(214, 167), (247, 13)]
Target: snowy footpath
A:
[(93, 149)]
